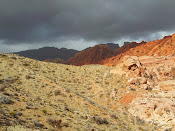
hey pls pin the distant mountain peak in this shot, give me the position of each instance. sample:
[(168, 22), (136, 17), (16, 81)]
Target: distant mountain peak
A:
[(93, 55), (48, 53)]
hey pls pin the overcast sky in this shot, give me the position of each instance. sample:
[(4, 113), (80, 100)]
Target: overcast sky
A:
[(77, 24)]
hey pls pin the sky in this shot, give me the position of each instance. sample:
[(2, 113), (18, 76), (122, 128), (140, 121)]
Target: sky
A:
[(78, 24)]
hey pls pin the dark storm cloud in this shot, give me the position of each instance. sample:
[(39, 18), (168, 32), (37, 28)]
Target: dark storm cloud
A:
[(32, 21)]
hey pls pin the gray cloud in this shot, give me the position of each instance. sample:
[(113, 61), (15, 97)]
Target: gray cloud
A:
[(52, 21)]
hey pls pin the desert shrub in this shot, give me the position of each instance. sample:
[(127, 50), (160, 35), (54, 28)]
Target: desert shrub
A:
[(38, 124), (1, 81), (25, 64), (62, 80), (54, 123), (5, 100), (100, 120), (132, 89), (13, 57), (11, 79), (28, 77), (57, 92), (17, 128), (141, 129), (140, 121), (12, 113), (67, 90), (146, 76), (151, 76), (149, 89), (168, 129), (44, 111), (113, 116), (3, 55), (173, 72), (2, 88)]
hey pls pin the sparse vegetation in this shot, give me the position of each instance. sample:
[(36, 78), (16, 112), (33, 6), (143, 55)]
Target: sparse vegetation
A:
[(12, 113), (54, 123), (57, 92), (1, 81), (44, 111), (173, 72), (51, 96)]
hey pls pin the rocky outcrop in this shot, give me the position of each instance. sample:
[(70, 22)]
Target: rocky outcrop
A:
[(126, 43), (152, 79), (134, 70), (120, 53), (162, 47), (93, 55), (113, 46), (157, 109)]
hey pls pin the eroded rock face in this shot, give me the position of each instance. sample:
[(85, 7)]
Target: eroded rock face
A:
[(162, 47), (101, 55), (93, 55), (158, 105), (154, 99), (132, 68), (158, 109)]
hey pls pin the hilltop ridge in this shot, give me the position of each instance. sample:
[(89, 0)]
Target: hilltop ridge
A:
[(93, 55), (162, 47)]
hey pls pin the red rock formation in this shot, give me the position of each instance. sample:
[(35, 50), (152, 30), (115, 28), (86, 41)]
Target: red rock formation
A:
[(102, 54), (162, 47), (93, 55)]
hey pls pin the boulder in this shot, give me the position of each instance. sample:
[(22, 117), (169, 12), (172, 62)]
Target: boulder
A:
[(5, 100)]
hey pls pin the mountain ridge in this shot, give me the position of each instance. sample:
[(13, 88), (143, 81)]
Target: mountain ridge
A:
[(160, 47), (48, 53), (93, 55)]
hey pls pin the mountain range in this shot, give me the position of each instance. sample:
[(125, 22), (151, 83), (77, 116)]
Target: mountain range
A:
[(53, 54), (131, 88), (48, 53), (105, 54)]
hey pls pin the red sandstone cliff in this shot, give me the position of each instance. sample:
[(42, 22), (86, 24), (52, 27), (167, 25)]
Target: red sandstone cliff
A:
[(93, 55), (162, 47), (102, 54)]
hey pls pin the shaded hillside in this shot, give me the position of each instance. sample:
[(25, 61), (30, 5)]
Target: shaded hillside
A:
[(113, 46), (48, 53), (126, 47), (162, 47), (93, 55)]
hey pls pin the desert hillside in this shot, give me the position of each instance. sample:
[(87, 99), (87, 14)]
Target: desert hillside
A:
[(87, 65), (48, 96), (106, 56), (162, 47), (93, 55), (153, 79)]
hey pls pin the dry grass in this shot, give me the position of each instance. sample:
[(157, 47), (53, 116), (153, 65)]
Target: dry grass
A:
[(78, 96)]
